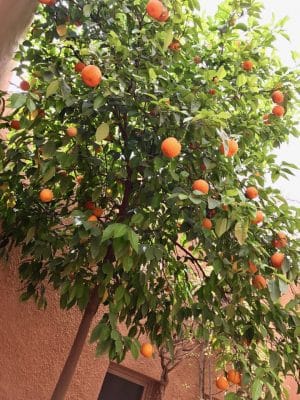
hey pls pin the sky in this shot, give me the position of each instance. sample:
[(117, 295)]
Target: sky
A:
[(280, 8)]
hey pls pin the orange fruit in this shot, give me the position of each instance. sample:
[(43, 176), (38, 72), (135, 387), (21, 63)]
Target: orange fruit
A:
[(197, 59), (15, 124), (61, 30), (91, 75), (90, 205), (233, 148), (147, 350), (281, 240), (79, 66), (155, 8), (252, 267), (225, 207), (48, 2), (259, 282), (234, 377), (72, 131), (175, 45), (92, 218), (24, 85), (164, 15), (258, 218), (251, 192), (170, 147), (247, 65), (266, 119), (206, 223), (98, 212), (278, 97), (212, 92), (222, 383), (79, 179), (278, 111), (201, 185), (46, 195), (277, 260)]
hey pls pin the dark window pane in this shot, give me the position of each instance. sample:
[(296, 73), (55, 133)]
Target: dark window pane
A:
[(116, 388)]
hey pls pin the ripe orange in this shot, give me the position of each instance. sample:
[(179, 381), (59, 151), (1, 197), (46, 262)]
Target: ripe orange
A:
[(278, 111), (252, 267), (91, 75), (164, 15), (222, 383), (72, 131), (46, 195), (225, 207), (259, 282), (277, 260), (15, 124), (233, 148), (281, 240), (247, 65), (98, 212), (175, 45), (79, 66), (234, 376), (48, 2), (92, 218), (24, 85), (259, 217), (170, 147), (197, 59), (251, 192), (206, 223), (147, 350), (155, 8), (278, 97), (212, 91), (201, 185)]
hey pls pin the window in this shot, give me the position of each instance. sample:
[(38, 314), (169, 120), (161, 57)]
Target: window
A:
[(121, 383), (116, 388)]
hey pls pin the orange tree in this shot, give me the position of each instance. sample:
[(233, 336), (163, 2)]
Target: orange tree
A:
[(134, 175)]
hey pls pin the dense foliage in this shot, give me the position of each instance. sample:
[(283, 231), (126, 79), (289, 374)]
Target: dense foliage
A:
[(160, 267)]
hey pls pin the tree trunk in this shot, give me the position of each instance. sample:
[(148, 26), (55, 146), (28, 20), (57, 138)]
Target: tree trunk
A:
[(76, 350), (164, 380)]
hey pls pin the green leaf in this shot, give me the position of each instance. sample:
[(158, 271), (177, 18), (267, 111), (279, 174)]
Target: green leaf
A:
[(135, 349), (52, 88), (241, 231), (221, 73), (102, 132), (221, 226), (241, 80), (241, 26), (30, 104), (134, 240), (256, 389), (49, 174), (119, 293), (168, 37), (18, 100)]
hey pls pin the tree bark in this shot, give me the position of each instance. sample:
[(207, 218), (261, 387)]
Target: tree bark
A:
[(77, 347)]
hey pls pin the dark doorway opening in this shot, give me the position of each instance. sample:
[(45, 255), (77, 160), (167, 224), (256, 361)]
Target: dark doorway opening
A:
[(116, 388)]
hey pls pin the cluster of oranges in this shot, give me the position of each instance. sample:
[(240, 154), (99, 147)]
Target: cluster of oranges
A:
[(232, 376), (278, 110)]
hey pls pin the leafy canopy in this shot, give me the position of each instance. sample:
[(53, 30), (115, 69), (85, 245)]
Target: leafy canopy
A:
[(157, 268)]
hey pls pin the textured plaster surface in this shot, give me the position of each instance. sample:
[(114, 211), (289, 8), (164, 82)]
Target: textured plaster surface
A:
[(34, 345)]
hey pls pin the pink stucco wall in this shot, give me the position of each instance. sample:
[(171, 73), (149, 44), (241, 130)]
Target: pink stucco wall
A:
[(34, 345)]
